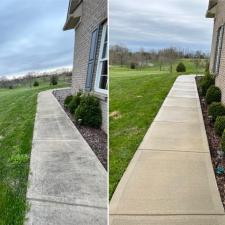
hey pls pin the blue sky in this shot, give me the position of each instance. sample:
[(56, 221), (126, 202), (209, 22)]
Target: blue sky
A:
[(31, 36), (161, 23)]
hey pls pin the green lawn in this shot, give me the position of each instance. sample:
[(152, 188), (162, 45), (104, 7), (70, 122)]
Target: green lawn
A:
[(17, 114), (135, 98)]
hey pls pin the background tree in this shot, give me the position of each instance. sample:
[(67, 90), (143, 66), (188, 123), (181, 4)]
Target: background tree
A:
[(119, 55)]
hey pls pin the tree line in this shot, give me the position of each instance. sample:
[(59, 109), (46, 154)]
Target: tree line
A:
[(31, 77), (121, 55)]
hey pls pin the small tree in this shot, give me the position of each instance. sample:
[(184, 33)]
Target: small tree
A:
[(29, 77), (170, 56), (181, 68), (53, 80), (35, 84), (133, 65), (197, 63)]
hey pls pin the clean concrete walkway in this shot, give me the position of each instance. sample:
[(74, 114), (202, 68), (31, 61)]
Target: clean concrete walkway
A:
[(170, 180), (67, 183)]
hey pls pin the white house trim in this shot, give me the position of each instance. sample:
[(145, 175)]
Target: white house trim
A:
[(100, 62)]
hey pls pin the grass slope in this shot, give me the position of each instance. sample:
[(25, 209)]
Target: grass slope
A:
[(135, 98), (17, 114)]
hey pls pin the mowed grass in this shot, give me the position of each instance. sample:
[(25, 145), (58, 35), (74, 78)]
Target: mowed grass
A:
[(17, 114), (135, 98)]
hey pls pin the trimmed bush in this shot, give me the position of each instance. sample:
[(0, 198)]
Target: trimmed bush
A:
[(205, 83), (53, 80), (216, 109), (181, 68), (89, 112), (133, 65), (220, 125), (67, 100), (74, 103), (35, 84), (213, 95), (223, 142)]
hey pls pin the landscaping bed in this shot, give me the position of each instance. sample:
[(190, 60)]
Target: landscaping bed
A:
[(214, 145), (96, 138)]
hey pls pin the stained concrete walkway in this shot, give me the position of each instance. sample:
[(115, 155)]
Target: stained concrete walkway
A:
[(170, 180), (67, 183)]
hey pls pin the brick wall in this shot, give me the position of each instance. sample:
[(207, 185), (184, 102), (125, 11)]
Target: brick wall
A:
[(218, 21), (93, 13)]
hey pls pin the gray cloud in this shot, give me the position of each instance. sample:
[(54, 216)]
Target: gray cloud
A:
[(31, 35), (161, 23)]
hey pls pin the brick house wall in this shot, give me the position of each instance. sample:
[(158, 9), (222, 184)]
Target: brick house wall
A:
[(94, 12), (219, 20)]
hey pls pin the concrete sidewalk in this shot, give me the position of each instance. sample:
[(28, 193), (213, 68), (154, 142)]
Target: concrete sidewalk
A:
[(170, 180), (67, 183)]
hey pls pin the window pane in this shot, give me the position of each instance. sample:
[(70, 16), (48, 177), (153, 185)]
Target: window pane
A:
[(219, 45), (106, 35), (104, 68), (104, 52), (104, 77), (103, 82), (93, 45)]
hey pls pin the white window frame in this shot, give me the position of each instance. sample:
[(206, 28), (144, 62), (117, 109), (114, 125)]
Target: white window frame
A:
[(100, 60)]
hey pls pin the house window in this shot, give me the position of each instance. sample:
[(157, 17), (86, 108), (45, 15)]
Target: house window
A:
[(101, 84), (219, 45)]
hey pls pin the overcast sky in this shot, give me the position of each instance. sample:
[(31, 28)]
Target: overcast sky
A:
[(31, 36), (160, 23)]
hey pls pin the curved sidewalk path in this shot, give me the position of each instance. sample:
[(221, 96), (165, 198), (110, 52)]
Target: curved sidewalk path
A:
[(67, 183), (170, 180)]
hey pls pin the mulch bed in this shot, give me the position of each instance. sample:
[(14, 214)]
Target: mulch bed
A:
[(96, 138), (214, 145)]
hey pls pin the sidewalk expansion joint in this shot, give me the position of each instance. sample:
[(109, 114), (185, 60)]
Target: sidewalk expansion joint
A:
[(52, 139), (210, 214), (166, 121), (65, 203), (168, 150)]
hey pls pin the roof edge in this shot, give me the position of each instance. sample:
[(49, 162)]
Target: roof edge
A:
[(73, 5), (211, 9)]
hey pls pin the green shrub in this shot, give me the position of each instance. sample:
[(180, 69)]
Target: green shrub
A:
[(35, 84), (220, 125), (205, 83), (133, 65), (89, 112), (213, 95), (53, 80), (216, 109), (67, 100), (181, 68), (223, 142), (74, 103)]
